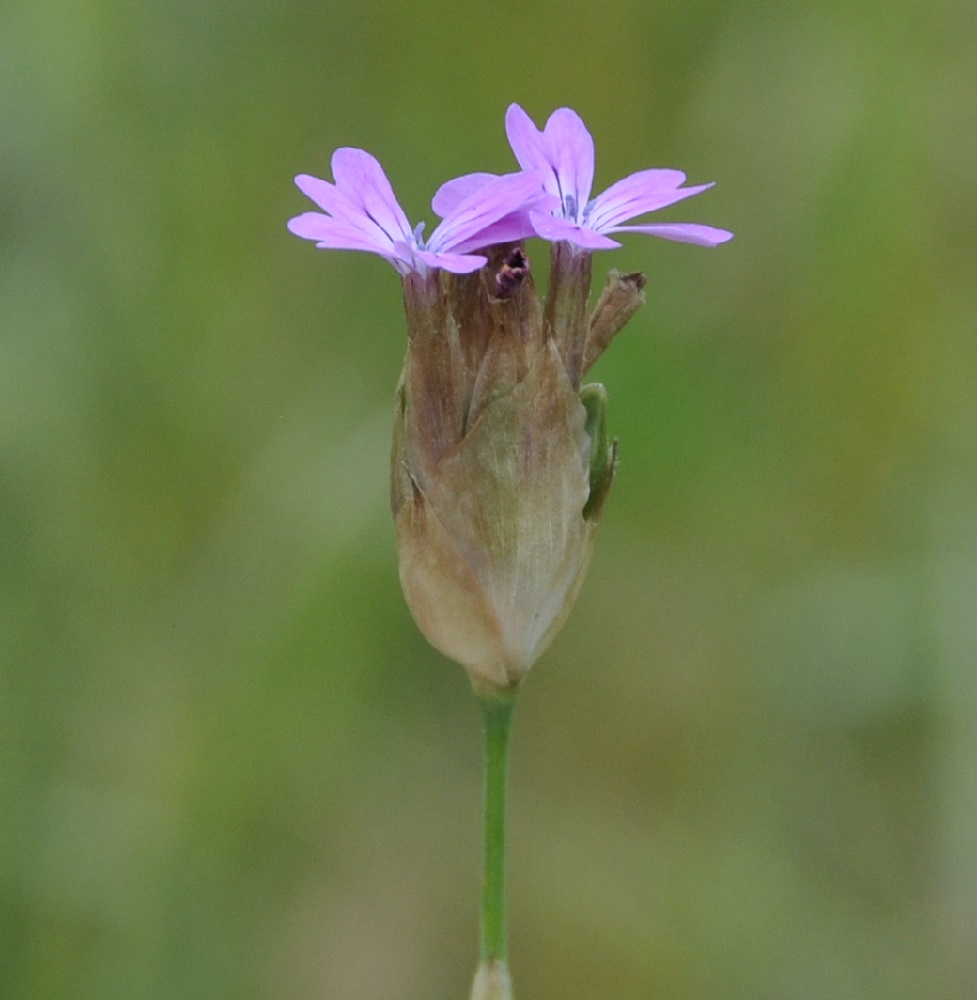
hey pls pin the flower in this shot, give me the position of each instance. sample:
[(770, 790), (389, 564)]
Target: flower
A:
[(501, 460), (362, 213), (563, 153)]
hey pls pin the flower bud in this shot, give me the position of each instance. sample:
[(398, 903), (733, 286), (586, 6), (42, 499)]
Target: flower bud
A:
[(499, 469)]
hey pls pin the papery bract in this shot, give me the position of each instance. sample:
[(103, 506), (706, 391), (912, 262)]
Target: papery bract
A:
[(494, 501)]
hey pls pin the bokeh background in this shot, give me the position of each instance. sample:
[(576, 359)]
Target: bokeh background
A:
[(229, 765)]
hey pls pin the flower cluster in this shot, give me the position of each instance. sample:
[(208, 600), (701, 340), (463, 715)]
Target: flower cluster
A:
[(501, 461), (549, 198)]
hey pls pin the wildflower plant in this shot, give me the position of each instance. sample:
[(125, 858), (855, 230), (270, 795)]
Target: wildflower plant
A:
[(501, 460)]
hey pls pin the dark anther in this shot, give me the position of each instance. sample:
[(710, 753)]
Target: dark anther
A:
[(511, 274)]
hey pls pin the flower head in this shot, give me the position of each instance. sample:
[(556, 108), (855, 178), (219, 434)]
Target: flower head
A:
[(361, 212), (563, 154), (501, 460)]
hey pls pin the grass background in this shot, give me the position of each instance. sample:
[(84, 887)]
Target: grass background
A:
[(231, 769)]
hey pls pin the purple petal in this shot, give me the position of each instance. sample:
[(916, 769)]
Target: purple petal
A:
[(527, 143), (316, 226), (329, 233), (483, 207), (569, 148), (554, 229), (321, 192), (452, 193), (454, 262), (361, 179), (645, 191), (681, 232), (330, 199), (510, 229)]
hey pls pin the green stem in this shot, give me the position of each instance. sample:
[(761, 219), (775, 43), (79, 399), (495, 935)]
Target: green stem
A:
[(497, 716)]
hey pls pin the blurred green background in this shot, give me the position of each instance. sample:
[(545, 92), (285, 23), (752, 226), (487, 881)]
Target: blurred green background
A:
[(229, 765)]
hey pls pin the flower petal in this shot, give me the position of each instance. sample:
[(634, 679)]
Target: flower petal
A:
[(454, 262), (360, 179), (510, 229), (330, 199), (527, 143), (452, 193), (333, 234), (637, 194), (554, 229), (483, 207), (565, 149), (327, 196), (321, 192), (681, 232), (316, 226), (569, 147)]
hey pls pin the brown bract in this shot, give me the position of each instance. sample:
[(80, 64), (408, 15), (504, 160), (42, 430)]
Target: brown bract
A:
[(491, 463)]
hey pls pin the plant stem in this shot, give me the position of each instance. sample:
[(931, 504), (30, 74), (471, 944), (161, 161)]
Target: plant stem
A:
[(497, 717)]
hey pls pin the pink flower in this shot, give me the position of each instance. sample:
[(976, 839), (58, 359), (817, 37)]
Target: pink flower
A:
[(563, 154), (361, 212)]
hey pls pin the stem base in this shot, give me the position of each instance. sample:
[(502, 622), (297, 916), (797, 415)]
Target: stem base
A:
[(492, 981)]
